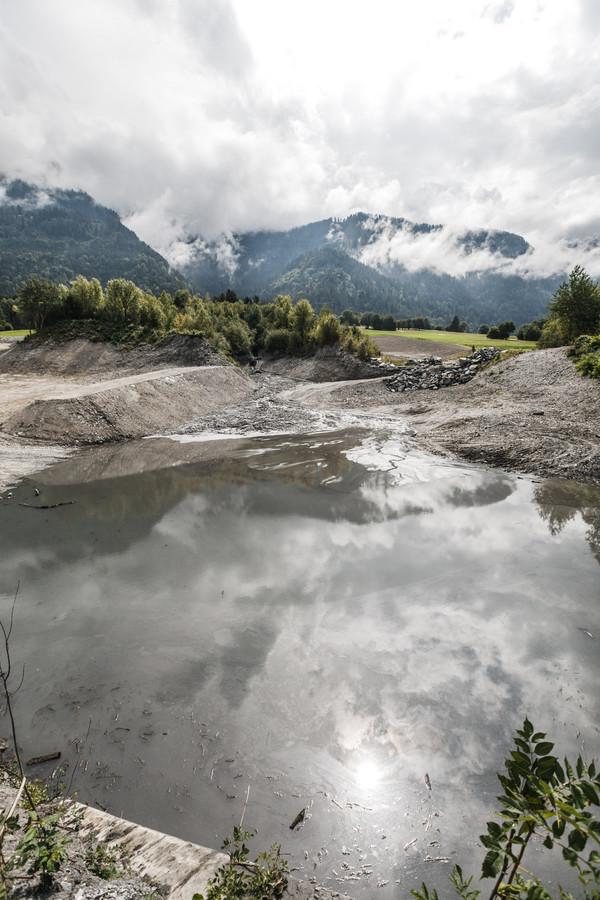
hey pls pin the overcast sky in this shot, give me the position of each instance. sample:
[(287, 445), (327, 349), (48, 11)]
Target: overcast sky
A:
[(202, 116)]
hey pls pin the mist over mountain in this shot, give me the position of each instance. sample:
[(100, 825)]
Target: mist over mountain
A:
[(363, 262), (381, 264), (60, 234)]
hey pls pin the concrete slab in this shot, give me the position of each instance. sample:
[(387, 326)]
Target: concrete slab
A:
[(181, 865), (185, 867)]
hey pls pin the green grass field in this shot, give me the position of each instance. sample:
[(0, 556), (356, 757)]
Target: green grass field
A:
[(453, 337), (16, 333), (447, 337)]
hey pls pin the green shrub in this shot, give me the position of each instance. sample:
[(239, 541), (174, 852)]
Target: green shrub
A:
[(585, 343), (531, 331), (238, 336), (240, 878), (103, 862), (327, 329), (277, 341), (589, 365), (366, 349), (553, 335), (152, 314), (42, 849), (586, 351), (300, 346), (542, 799), (220, 343)]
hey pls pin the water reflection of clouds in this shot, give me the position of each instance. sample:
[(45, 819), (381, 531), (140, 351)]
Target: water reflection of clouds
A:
[(375, 625), (418, 671), (442, 693)]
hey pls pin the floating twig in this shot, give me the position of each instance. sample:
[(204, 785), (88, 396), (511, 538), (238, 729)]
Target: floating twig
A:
[(47, 505), (299, 818), (36, 760), (245, 805)]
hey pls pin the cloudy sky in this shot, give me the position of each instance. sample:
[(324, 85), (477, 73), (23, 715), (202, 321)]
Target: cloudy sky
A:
[(203, 116)]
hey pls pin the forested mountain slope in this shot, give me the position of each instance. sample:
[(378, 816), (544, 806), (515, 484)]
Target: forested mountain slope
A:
[(60, 234), (380, 264), (364, 262)]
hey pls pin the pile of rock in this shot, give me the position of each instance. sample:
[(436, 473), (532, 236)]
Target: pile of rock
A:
[(433, 373)]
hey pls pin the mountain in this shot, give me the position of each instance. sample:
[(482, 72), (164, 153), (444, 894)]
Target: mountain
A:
[(363, 262), (329, 276), (61, 234), (381, 264)]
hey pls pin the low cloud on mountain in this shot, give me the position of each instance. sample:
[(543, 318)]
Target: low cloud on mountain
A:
[(210, 117), (442, 250)]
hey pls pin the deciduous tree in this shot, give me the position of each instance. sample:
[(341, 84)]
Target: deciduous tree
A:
[(506, 328), (302, 320), (39, 300), (576, 304)]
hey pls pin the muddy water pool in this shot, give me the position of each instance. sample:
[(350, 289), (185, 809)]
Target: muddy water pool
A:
[(324, 619)]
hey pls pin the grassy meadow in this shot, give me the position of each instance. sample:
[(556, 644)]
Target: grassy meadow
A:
[(454, 337)]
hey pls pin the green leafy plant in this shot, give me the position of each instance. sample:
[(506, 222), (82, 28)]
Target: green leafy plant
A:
[(264, 878), (9, 823), (104, 863), (542, 799), (47, 791), (42, 848), (586, 351)]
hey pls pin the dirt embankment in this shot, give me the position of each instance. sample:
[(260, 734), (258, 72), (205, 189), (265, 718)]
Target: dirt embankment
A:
[(328, 364), (80, 357), (533, 413), (57, 396), (82, 392)]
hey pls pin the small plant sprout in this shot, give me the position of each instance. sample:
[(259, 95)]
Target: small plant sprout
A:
[(264, 878)]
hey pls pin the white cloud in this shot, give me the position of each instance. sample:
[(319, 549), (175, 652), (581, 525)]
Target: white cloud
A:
[(442, 250), (210, 116)]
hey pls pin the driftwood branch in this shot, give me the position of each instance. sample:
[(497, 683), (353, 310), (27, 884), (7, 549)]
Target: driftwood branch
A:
[(48, 505), (36, 760), (299, 818)]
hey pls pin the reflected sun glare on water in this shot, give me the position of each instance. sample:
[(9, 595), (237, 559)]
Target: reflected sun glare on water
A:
[(367, 774)]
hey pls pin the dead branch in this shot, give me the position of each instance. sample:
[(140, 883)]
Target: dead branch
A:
[(47, 505), (37, 760)]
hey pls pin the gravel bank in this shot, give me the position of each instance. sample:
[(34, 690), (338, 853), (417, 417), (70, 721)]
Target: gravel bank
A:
[(533, 413)]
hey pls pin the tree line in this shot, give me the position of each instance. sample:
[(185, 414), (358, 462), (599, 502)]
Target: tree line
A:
[(573, 310), (421, 323), (244, 327), (239, 329)]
